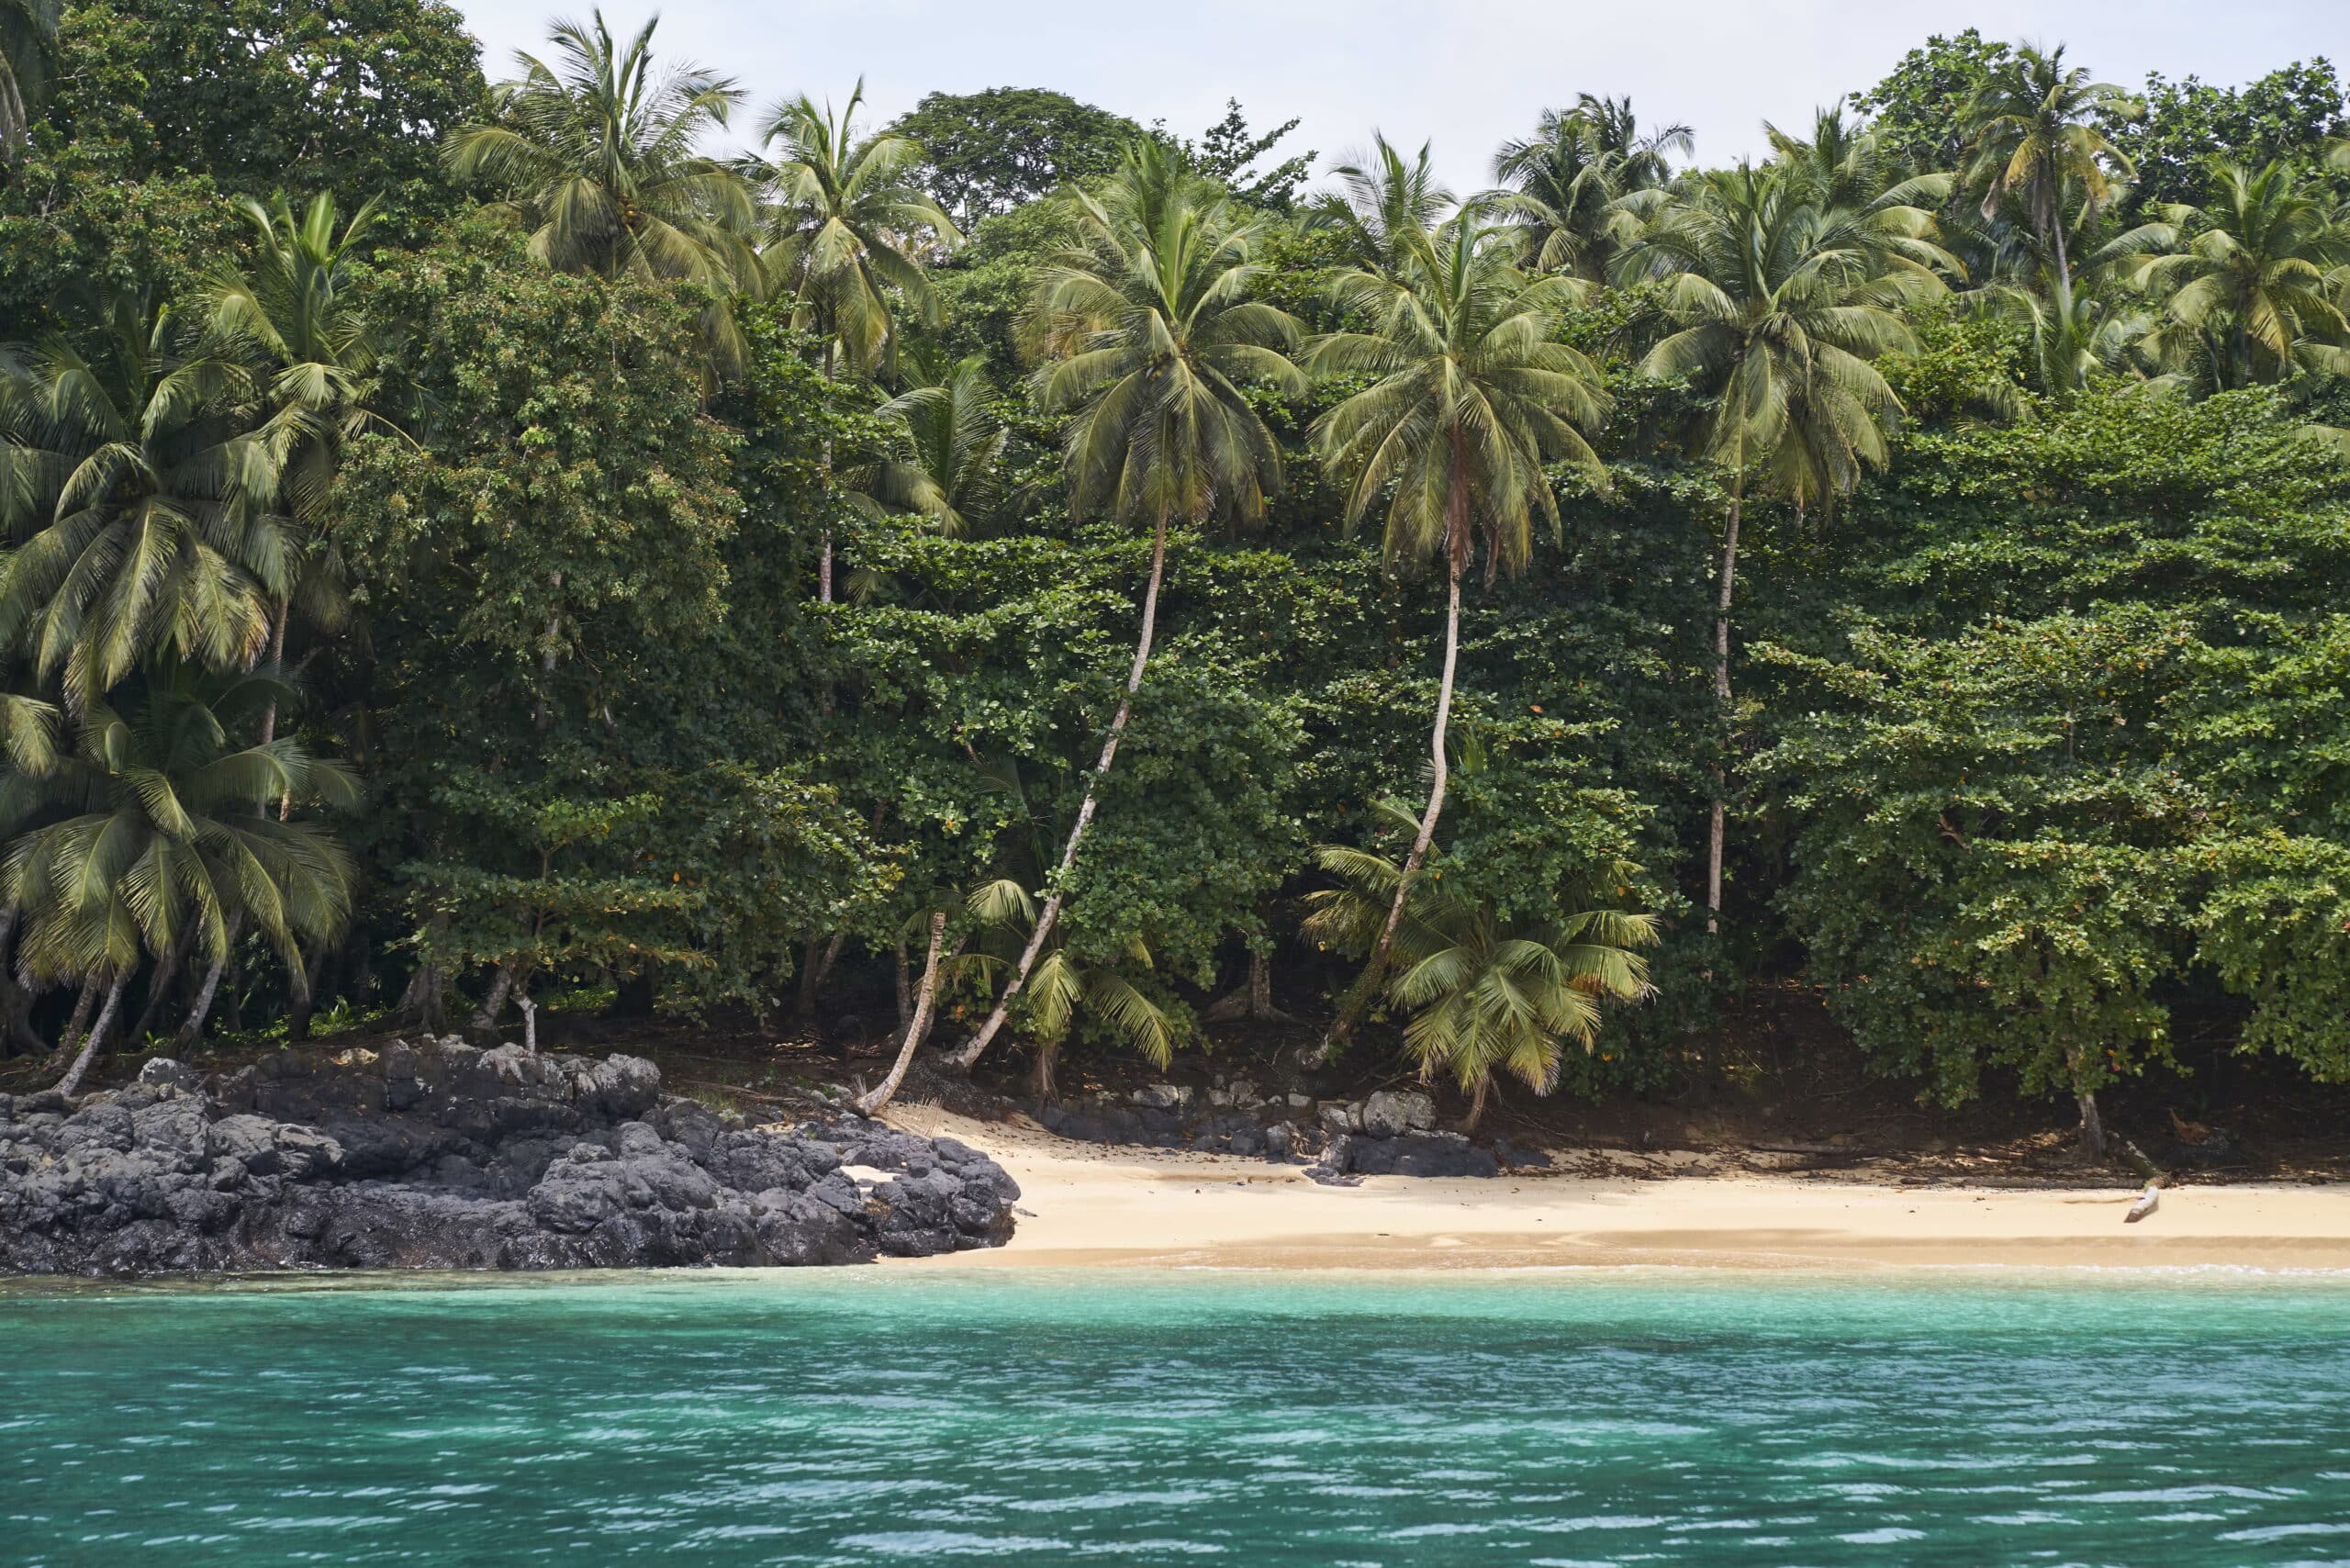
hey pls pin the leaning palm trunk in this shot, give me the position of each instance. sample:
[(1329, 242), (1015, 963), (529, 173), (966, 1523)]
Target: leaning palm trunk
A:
[(73, 1027), (193, 1030), (916, 1028), (1050, 915), (1357, 997), (72, 1078), (1722, 697)]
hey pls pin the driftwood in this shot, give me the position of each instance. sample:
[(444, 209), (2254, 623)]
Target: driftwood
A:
[(2148, 1201)]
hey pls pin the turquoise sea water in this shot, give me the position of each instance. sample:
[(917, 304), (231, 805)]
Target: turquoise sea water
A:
[(895, 1416)]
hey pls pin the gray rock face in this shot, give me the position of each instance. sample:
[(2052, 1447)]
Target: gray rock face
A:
[(1406, 1154), (1389, 1113), (438, 1156)]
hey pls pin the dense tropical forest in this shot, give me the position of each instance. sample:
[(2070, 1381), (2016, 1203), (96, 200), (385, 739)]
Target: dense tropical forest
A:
[(573, 533)]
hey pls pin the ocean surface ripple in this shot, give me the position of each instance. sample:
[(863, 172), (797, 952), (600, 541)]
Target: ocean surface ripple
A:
[(901, 1416)]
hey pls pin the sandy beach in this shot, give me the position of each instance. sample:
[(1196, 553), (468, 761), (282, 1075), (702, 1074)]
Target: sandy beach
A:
[(1088, 1204)]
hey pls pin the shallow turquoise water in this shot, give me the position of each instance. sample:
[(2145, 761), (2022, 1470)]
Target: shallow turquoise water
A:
[(897, 1415)]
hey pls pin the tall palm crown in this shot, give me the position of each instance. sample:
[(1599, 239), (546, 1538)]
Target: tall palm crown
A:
[(1384, 204), (1563, 193), (2034, 141), (598, 153), (846, 224), (1778, 307), (1472, 400), (291, 318), (27, 55), (1843, 164), (146, 503), (1645, 160), (2254, 279), (955, 438), (163, 845), (1153, 334)]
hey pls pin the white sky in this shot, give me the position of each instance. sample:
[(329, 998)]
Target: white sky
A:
[(1467, 73)]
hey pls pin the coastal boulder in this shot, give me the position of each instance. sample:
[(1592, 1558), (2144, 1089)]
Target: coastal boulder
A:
[(439, 1156)]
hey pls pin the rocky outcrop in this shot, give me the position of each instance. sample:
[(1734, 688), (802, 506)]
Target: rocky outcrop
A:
[(438, 1156), (1388, 1133)]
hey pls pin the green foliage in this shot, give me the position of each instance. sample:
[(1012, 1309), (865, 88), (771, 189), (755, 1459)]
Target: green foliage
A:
[(2284, 116), (985, 154)]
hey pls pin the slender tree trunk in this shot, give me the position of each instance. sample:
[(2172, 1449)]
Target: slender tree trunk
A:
[(193, 1030), (72, 1078), (302, 994), (905, 984), (918, 1027), (1477, 1100), (2092, 1124), (88, 998), (1357, 998), (158, 989), (1047, 917), (1260, 986), (2057, 233), (277, 658), (824, 538), (1715, 830), (817, 967), (1040, 1074), (501, 986)]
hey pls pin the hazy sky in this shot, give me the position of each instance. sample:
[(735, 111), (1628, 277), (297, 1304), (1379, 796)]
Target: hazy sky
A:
[(1466, 73)]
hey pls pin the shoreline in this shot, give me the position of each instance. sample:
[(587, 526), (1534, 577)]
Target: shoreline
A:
[(1096, 1207)]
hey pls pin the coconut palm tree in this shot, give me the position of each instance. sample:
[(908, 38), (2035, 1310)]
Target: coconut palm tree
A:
[(845, 223), (291, 320), (1062, 987), (1382, 206), (2034, 141), (1471, 399), (1484, 992), (2251, 280), (1150, 336), (27, 56), (2077, 334), (1777, 307), (144, 498), (845, 227), (955, 440), (164, 848), (599, 155), (1577, 189)]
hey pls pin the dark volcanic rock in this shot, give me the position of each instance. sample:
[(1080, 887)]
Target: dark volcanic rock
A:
[(1409, 1154), (438, 1156)]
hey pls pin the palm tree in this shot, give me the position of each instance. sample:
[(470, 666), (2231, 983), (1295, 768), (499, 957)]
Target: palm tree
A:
[(955, 440), (2034, 141), (145, 500), (1062, 986), (1152, 334), (1383, 205), (27, 55), (166, 848), (1577, 189), (1484, 993), (2251, 280), (1778, 307), (1472, 399), (599, 155), (844, 227), (1843, 166), (1646, 161), (844, 220), (291, 321), (2077, 334)]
